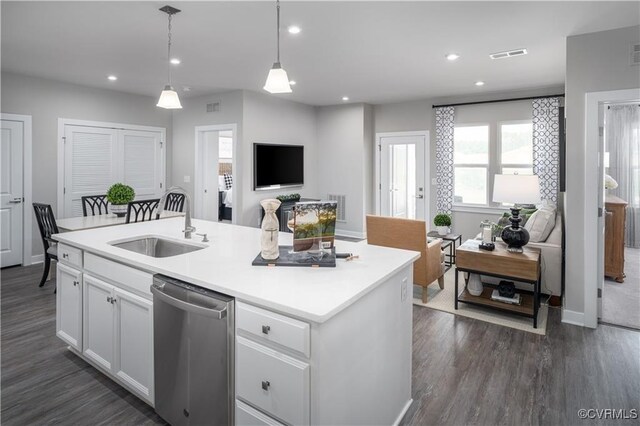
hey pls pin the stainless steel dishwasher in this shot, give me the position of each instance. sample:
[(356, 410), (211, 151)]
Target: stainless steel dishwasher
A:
[(193, 346)]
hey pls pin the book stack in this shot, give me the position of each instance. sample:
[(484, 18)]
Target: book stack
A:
[(515, 300)]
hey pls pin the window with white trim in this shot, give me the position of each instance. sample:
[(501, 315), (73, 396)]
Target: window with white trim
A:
[(516, 147)]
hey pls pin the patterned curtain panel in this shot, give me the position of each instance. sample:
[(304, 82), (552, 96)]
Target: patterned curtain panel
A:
[(546, 141), (444, 158)]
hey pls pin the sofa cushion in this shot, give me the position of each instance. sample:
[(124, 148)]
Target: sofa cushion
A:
[(540, 224)]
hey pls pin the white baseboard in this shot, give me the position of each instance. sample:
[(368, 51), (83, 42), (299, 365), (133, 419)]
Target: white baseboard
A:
[(38, 258), (572, 317), (351, 234), (403, 412)]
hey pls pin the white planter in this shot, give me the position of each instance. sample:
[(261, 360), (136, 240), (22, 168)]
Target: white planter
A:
[(474, 286), (118, 209), (442, 230)]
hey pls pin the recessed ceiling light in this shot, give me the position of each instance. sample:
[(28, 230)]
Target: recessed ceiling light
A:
[(479, 83), (452, 56), (186, 88), (175, 61), (292, 82), (345, 98), (294, 29), (112, 78)]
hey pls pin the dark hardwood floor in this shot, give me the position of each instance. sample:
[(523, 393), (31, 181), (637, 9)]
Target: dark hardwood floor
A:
[(464, 371)]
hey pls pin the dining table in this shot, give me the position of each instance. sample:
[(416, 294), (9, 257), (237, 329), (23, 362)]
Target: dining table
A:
[(99, 221)]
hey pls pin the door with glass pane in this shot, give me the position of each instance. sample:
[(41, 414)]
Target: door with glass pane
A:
[(402, 174)]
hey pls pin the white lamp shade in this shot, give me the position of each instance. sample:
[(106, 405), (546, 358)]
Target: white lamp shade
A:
[(169, 99), (277, 80), (516, 189), (606, 160)]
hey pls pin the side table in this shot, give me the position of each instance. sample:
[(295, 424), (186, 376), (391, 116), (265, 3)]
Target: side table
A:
[(500, 263), (450, 258)]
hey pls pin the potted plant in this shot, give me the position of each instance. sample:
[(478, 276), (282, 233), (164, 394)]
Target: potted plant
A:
[(442, 222), (118, 196)]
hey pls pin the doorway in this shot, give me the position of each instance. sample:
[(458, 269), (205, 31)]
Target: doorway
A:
[(402, 167), (216, 193), (15, 190)]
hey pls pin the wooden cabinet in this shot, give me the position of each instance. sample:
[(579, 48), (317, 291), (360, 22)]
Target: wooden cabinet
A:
[(615, 217), (69, 306), (118, 327)]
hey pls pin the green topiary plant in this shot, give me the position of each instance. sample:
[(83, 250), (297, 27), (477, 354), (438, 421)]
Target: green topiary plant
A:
[(442, 219), (290, 197), (120, 193)]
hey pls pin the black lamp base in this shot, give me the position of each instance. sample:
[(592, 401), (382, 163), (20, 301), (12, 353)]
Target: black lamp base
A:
[(515, 236)]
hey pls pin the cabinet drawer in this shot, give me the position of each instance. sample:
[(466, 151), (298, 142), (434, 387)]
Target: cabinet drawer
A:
[(248, 416), (118, 273), (69, 255), (273, 327), (272, 381)]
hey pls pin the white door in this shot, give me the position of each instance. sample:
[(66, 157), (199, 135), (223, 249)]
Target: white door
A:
[(210, 197), (69, 305), (98, 321), (142, 162), (134, 342), (11, 193), (402, 177), (91, 164)]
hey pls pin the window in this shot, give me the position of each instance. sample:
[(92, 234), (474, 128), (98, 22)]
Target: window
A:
[(516, 148), (470, 164), (482, 150)]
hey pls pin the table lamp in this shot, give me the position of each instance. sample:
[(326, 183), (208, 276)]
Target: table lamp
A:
[(516, 189)]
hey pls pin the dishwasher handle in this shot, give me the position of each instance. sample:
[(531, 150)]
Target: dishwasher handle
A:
[(186, 306)]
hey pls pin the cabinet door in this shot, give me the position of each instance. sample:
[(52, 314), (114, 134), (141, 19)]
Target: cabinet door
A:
[(98, 321), (134, 342), (69, 306)]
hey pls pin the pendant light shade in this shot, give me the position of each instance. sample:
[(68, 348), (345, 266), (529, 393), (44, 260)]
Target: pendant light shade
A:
[(169, 97), (277, 80)]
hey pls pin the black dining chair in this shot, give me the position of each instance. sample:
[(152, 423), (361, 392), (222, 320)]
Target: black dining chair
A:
[(174, 203), (47, 225), (96, 204), (142, 210)]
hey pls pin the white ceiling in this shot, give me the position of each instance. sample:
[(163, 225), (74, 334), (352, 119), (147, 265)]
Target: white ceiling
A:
[(373, 52)]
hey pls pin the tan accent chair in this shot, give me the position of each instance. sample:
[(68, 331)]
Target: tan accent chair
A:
[(410, 234)]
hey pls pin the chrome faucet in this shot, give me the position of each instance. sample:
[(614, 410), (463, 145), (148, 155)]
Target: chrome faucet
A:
[(188, 229)]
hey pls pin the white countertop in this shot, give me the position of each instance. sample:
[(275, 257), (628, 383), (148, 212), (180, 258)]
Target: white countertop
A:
[(98, 221), (313, 294)]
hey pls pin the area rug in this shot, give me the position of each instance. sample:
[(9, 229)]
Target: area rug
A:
[(443, 300)]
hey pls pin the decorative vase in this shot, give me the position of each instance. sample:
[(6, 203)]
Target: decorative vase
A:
[(474, 285), (442, 230), (270, 227), (119, 210)]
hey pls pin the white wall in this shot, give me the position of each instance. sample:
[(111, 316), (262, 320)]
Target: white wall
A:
[(595, 62), (345, 158), (48, 100), (271, 119)]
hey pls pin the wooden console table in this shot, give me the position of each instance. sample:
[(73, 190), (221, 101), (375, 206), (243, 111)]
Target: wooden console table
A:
[(500, 263)]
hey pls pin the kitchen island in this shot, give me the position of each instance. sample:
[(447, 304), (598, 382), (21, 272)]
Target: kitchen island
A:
[(338, 344)]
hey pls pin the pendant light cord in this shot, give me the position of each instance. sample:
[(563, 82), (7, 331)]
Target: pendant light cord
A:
[(278, 27), (169, 52)]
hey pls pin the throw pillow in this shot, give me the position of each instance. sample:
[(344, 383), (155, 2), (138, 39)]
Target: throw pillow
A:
[(540, 225), (228, 180)]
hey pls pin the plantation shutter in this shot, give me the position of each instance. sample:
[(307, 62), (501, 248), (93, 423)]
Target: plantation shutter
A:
[(142, 162)]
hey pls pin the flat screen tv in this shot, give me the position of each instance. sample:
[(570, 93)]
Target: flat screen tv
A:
[(277, 166)]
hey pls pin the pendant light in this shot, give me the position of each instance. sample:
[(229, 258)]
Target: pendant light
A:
[(169, 97), (277, 80)]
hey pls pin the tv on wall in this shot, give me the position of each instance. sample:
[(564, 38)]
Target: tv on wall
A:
[(277, 166)]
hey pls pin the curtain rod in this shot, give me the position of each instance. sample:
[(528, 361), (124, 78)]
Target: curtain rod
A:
[(561, 95)]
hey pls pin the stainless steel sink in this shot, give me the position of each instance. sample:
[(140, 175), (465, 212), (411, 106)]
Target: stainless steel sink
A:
[(156, 246)]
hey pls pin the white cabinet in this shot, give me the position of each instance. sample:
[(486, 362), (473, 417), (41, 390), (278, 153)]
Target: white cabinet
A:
[(98, 321), (118, 334), (134, 342), (69, 306)]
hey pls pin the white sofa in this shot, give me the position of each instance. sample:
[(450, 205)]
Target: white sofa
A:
[(551, 251)]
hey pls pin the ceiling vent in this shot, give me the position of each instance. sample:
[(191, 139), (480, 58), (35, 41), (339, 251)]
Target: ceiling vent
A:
[(508, 54), (213, 107), (635, 54)]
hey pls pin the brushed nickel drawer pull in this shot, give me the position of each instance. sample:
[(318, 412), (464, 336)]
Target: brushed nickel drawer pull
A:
[(265, 385), (266, 329)]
